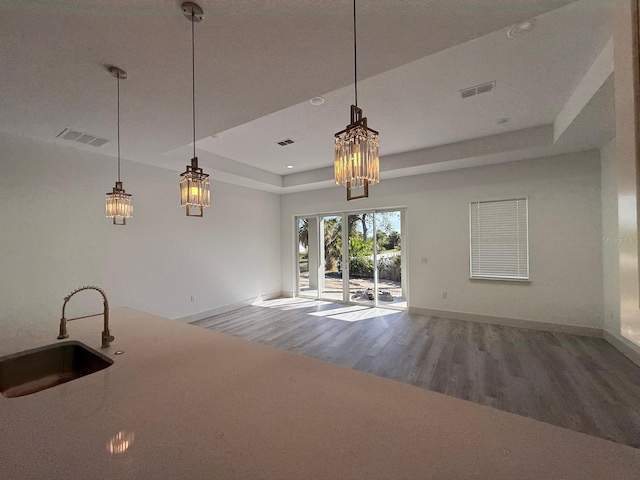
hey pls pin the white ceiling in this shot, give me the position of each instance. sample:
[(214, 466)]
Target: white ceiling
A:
[(259, 62)]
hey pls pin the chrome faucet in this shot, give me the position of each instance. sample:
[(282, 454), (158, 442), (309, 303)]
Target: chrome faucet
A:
[(107, 338)]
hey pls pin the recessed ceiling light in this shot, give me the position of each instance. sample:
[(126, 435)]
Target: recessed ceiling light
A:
[(501, 121), (521, 29), (289, 166), (316, 101)]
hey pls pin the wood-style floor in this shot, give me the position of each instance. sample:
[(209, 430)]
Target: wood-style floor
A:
[(575, 382)]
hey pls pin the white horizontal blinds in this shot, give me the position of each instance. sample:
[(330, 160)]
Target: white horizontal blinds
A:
[(499, 239)]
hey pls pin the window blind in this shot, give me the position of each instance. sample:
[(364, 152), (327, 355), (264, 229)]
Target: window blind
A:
[(499, 239)]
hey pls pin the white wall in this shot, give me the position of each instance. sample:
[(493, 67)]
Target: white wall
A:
[(54, 237), (565, 237)]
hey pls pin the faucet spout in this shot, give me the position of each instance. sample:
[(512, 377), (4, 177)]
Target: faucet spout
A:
[(107, 338)]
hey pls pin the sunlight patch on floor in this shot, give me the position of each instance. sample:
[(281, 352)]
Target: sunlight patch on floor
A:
[(354, 313), (293, 303)]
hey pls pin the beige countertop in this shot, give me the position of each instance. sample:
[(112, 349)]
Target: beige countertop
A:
[(187, 403)]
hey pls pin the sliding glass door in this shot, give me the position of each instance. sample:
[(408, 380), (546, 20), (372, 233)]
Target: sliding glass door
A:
[(361, 258), (353, 257), (389, 259), (332, 286), (307, 253)]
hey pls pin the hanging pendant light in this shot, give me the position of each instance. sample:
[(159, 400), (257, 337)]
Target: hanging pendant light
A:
[(119, 204), (356, 149), (195, 193)]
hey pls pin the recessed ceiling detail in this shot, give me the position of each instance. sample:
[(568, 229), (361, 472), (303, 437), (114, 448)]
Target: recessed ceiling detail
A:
[(409, 82), (286, 142), (478, 89), (80, 137)]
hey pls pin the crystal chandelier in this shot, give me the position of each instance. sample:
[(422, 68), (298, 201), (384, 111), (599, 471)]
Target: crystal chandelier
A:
[(195, 194), (356, 158), (119, 205)]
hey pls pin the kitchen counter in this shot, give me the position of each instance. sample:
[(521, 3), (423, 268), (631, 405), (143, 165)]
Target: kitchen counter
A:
[(187, 403)]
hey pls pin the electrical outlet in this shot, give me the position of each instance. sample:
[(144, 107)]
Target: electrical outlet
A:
[(193, 298), (444, 295)]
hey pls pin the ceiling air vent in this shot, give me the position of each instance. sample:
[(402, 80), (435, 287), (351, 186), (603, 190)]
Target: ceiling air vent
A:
[(284, 143), (478, 89), (80, 137)]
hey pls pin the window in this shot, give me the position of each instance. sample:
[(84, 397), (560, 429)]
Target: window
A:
[(499, 239)]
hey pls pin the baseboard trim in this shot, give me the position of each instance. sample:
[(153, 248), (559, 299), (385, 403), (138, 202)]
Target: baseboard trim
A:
[(623, 347), (270, 296), (194, 317), (509, 322)]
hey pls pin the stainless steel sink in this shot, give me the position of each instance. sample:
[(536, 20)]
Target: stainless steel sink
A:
[(35, 370)]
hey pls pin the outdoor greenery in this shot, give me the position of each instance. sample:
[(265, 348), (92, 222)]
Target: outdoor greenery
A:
[(332, 243), (360, 244), (360, 257)]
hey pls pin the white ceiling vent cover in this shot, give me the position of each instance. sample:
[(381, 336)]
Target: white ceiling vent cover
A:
[(478, 89), (286, 142), (80, 137)]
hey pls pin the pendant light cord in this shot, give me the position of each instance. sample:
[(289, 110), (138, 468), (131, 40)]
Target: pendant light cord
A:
[(355, 54), (193, 78), (118, 77)]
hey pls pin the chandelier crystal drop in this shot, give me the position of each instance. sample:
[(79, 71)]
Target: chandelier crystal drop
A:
[(119, 204), (356, 148)]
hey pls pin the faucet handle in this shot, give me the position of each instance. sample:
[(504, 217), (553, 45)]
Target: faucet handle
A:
[(107, 339)]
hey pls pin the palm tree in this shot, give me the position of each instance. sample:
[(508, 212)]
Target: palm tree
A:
[(332, 241), (303, 232)]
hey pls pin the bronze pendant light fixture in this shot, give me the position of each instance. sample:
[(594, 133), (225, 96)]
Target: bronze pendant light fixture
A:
[(119, 205), (195, 194), (356, 149)]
